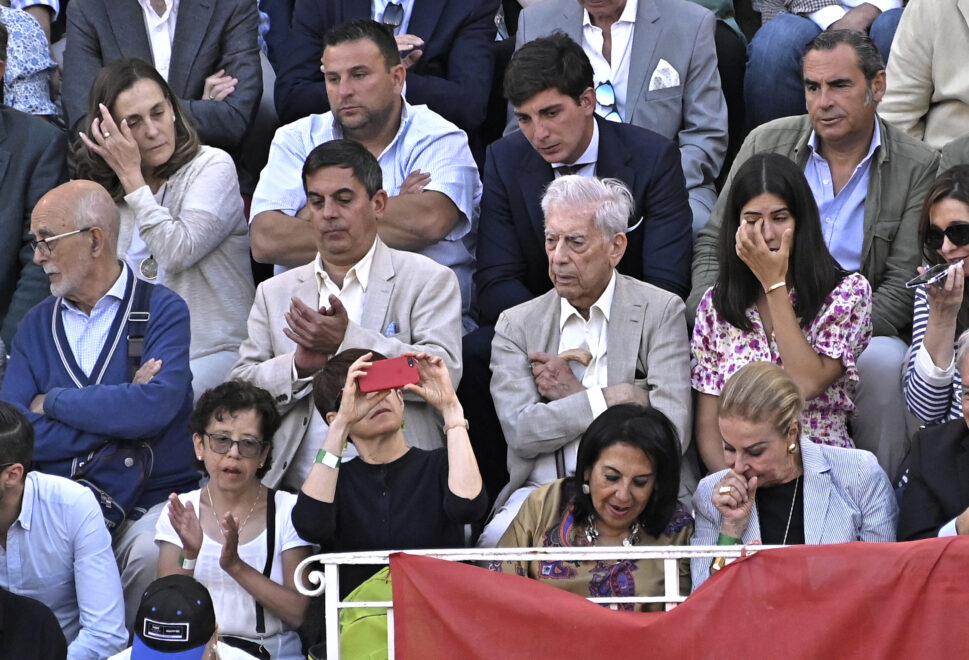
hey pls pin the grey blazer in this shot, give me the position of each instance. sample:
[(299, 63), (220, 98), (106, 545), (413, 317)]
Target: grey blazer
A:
[(209, 35), (847, 497), (406, 293), (647, 346), (33, 159), (693, 114)]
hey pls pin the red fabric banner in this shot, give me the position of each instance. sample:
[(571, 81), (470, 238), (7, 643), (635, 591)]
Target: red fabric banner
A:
[(855, 600)]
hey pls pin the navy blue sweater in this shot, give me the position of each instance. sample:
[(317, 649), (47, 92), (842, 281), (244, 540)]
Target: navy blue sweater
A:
[(80, 416)]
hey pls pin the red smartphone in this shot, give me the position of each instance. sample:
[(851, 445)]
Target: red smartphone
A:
[(389, 374)]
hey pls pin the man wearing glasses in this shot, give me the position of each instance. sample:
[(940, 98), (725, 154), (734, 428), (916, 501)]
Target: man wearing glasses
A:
[(655, 65), (33, 159), (447, 46), (74, 373)]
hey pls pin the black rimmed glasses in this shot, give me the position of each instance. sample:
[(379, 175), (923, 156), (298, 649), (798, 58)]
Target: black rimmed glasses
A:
[(958, 234), (606, 97), (44, 244), (393, 14), (221, 444)]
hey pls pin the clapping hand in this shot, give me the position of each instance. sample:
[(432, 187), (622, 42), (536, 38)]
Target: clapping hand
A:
[(229, 558), (186, 524), (317, 333)]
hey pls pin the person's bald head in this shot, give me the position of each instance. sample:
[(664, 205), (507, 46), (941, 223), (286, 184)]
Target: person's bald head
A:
[(76, 226)]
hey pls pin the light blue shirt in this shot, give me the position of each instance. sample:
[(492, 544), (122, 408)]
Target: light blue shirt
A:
[(425, 141), (53, 5), (59, 552), (86, 334), (842, 215)]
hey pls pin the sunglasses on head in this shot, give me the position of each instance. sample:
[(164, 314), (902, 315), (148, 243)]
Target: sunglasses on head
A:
[(958, 234)]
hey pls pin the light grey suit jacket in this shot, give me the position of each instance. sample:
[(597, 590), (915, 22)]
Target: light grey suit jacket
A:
[(209, 35), (647, 346), (847, 497), (420, 297), (693, 114)]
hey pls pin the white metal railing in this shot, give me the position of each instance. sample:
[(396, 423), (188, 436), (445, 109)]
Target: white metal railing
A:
[(327, 581)]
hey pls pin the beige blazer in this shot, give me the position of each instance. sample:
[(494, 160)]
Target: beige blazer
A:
[(647, 345), (407, 292)]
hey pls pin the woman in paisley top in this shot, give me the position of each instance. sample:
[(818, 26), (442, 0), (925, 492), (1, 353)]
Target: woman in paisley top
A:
[(780, 297)]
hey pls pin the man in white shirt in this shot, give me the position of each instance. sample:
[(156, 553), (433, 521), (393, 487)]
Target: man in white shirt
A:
[(427, 166), (773, 86), (355, 293), (631, 337)]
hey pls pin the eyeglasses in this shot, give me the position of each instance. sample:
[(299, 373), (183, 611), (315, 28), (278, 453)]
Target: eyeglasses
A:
[(221, 444), (393, 15), (958, 234), (606, 97), (44, 244)]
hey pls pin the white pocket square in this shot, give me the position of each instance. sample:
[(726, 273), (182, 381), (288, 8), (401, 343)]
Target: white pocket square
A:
[(664, 77)]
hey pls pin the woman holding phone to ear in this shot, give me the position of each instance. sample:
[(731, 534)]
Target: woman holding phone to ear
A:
[(780, 297), (933, 385), (392, 496)]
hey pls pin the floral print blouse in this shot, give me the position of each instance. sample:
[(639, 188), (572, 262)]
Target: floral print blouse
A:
[(841, 330)]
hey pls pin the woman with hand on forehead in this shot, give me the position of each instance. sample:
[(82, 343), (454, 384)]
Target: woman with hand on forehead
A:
[(779, 488), (781, 297), (182, 218), (933, 385)]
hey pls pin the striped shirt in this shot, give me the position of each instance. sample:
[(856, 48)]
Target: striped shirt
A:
[(86, 333), (933, 394)]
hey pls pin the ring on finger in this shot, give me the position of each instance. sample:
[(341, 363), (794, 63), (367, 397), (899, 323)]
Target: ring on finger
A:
[(106, 135), (725, 490)]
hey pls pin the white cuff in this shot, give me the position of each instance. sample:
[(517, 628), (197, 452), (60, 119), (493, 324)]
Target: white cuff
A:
[(949, 529), (930, 373), (299, 384), (597, 401), (825, 16)]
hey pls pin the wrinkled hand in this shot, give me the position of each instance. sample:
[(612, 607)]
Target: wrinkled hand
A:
[(735, 506), (37, 403), (229, 558), (218, 86), (625, 393), (409, 46), (117, 146), (317, 333), (187, 526), (858, 18), (946, 300), (415, 182), (553, 377), (146, 372), (435, 387), (768, 267), (354, 404)]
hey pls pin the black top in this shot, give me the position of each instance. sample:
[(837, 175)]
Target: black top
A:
[(401, 505), (28, 629), (774, 510)]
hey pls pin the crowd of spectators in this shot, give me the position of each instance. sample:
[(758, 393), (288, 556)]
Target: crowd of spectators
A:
[(655, 286)]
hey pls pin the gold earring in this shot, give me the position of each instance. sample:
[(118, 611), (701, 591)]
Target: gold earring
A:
[(792, 448)]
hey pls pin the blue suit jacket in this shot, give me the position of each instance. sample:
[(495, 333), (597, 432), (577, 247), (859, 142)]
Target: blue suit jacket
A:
[(452, 77), (512, 264)]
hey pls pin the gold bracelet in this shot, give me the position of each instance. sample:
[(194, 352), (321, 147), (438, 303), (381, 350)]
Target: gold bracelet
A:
[(775, 286), (454, 425)]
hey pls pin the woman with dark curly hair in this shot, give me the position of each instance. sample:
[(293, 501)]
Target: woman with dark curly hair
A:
[(182, 219), (221, 534), (780, 297), (624, 492)]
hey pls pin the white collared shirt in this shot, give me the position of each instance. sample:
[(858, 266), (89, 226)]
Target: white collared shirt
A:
[(161, 32), (86, 333), (616, 71), (825, 16), (378, 7), (591, 335), (586, 163), (354, 288)]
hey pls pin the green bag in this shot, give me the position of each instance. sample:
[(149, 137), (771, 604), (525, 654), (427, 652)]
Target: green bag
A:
[(363, 630)]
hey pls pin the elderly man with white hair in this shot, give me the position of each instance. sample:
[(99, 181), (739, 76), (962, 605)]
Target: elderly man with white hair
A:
[(597, 340)]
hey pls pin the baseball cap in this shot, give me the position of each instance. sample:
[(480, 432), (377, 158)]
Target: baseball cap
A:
[(175, 620)]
